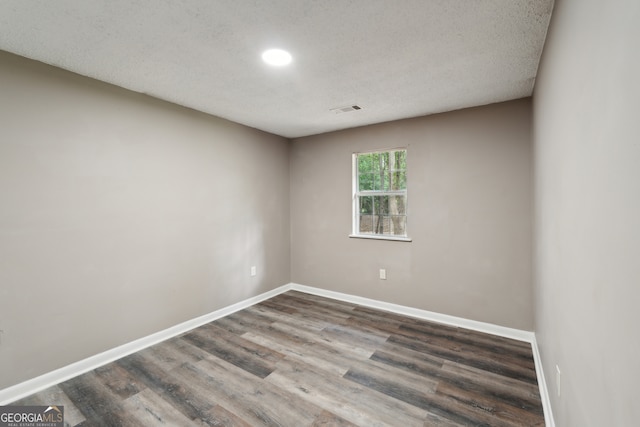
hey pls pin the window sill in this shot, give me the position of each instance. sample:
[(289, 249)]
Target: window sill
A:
[(379, 237)]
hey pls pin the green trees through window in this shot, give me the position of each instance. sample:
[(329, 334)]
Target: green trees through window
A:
[(380, 198)]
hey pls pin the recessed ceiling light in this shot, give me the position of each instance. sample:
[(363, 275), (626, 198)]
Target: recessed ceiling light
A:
[(276, 57)]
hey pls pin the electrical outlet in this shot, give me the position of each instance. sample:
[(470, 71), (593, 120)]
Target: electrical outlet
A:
[(253, 271), (383, 274), (558, 377)]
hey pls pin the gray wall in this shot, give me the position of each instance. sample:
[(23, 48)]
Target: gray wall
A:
[(587, 168), (121, 215), (470, 215)]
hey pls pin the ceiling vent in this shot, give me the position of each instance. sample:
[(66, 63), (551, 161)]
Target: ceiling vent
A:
[(340, 110)]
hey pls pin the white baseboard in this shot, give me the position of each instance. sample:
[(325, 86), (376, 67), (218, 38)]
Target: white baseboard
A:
[(49, 379), (542, 384)]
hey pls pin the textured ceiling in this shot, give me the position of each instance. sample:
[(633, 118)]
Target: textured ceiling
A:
[(394, 58)]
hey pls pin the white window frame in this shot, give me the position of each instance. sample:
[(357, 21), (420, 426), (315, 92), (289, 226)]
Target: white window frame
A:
[(355, 208)]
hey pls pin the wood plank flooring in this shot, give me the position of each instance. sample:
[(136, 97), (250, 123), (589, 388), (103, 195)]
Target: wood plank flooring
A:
[(302, 360)]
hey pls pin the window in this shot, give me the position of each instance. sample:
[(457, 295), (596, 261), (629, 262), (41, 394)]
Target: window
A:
[(380, 194)]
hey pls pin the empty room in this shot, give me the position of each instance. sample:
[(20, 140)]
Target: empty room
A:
[(307, 213)]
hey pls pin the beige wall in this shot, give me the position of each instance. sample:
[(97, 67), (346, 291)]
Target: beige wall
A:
[(587, 168), (121, 215), (470, 189)]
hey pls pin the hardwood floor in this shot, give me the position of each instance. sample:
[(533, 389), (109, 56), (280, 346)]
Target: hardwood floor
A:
[(303, 360)]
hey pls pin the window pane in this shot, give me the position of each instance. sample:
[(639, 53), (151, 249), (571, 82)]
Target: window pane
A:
[(365, 182), (399, 160), (394, 225), (381, 205), (375, 162), (378, 224), (384, 225), (377, 182), (384, 161), (366, 205), (387, 182), (398, 225), (366, 224), (364, 163), (398, 180), (397, 205)]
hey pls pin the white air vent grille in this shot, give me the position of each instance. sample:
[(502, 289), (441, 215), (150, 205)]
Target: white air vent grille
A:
[(340, 110)]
